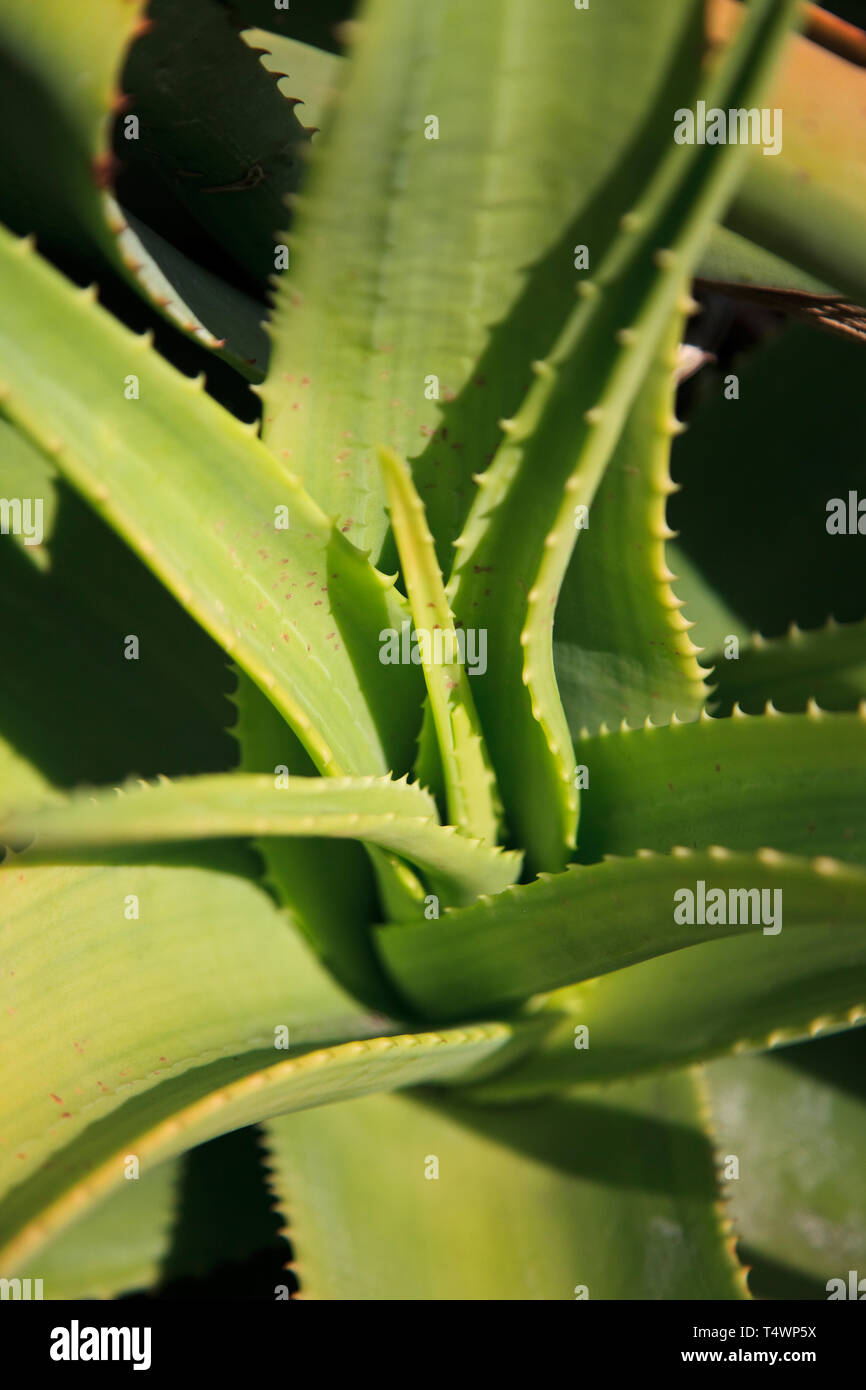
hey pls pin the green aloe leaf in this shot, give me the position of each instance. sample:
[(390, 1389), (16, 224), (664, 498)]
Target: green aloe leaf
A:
[(223, 1094), (599, 918), (550, 1133), (799, 780), (827, 665), (300, 69), (414, 1197), (729, 997), (731, 260), (393, 815), (620, 644), (713, 621), (567, 427), (327, 884), (469, 783), (313, 644), (156, 1230), (182, 987), (117, 1247), (800, 1114), (384, 327)]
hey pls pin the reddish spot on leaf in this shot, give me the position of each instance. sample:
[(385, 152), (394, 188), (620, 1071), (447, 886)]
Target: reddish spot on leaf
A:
[(103, 170)]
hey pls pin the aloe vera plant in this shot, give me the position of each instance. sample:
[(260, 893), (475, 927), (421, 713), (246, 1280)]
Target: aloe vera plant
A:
[(382, 865)]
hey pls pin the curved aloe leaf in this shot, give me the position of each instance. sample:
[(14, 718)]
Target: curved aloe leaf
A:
[(602, 917), (404, 1197), (313, 644), (469, 783), (199, 992), (393, 815), (117, 1247), (827, 665), (383, 322), (224, 1094), (799, 779), (735, 996)]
